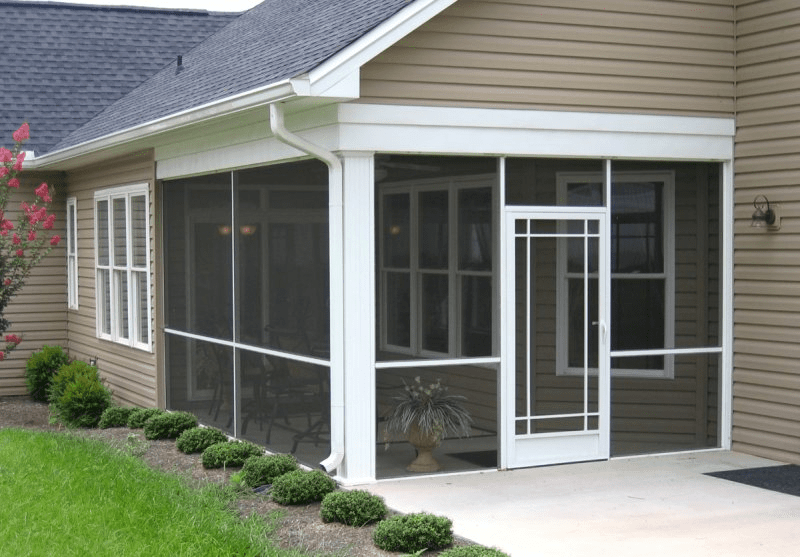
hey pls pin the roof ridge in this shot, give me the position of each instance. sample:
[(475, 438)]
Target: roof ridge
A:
[(96, 7)]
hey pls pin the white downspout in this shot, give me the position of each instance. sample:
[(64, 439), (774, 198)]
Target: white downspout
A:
[(335, 226)]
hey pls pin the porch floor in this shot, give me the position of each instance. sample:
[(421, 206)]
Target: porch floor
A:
[(655, 506)]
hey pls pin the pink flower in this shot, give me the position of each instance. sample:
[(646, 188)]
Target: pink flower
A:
[(18, 165), (13, 183), (13, 338), (41, 191), (20, 253), (16, 240), (23, 133), (2, 356), (5, 155), (49, 221), (4, 171), (31, 235), (7, 225), (55, 240), (7, 282)]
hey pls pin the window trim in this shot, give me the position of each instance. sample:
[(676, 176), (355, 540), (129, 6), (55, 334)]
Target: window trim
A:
[(72, 253), (667, 178), (452, 185), (129, 269)]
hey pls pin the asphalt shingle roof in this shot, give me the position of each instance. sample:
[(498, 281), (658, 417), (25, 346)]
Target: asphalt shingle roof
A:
[(276, 40), (64, 63)]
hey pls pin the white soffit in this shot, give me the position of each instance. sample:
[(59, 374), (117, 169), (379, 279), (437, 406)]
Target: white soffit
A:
[(533, 132)]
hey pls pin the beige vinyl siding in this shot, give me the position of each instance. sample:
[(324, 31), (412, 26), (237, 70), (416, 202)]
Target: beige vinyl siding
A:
[(766, 390), (38, 312), (129, 372), (636, 56)]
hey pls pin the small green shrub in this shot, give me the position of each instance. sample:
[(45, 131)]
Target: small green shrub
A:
[(262, 470), (115, 416), (301, 487), (472, 551), (169, 425), (354, 508), (139, 416), (198, 439), (231, 453), (77, 395), (413, 532), (40, 369)]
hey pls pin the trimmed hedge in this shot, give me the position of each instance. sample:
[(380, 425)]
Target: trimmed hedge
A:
[(472, 551), (354, 508), (231, 453), (301, 487), (78, 398), (198, 439), (413, 532), (264, 469), (139, 416), (40, 369), (169, 425), (115, 416)]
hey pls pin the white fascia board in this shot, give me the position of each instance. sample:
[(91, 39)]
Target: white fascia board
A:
[(347, 62), (413, 129), (274, 92)]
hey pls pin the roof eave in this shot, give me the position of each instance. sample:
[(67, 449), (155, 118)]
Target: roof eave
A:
[(275, 92)]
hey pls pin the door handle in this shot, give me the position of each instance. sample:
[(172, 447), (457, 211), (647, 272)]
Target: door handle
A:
[(603, 328)]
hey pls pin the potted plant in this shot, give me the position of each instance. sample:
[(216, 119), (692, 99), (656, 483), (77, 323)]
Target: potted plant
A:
[(426, 414)]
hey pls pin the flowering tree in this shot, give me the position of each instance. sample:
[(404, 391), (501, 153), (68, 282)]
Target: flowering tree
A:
[(24, 244)]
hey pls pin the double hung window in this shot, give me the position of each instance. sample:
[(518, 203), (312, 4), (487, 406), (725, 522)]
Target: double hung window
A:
[(436, 267), (122, 265), (72, 253), (642, 273)]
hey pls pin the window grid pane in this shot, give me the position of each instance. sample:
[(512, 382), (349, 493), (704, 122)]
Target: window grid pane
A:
[(139, 230), (120, 233), (102, 232)]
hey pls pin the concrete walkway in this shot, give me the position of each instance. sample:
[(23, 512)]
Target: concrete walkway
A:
[(651, 506)]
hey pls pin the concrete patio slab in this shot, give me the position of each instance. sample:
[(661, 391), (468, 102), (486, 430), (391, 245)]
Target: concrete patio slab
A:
[(653, 506)]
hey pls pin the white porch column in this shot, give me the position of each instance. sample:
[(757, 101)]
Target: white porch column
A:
[(359, 318)]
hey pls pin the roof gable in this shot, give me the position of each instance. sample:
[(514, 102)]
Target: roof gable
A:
[(274, 41), (71, 61)]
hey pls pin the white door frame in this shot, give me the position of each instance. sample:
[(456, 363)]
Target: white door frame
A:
[(551, 448)]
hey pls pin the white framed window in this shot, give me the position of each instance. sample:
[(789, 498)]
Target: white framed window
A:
[(436, 267), (122, 262), (642, 270), (72, 253)]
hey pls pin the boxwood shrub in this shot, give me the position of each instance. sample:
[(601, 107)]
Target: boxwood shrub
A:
[(198, 439), (230, 453), (169, 425), (139, 416), (115, 416), (301, 487), (472, 551), (262, 470), (40, 369), (354, 508), (413, 532), (78, 398)]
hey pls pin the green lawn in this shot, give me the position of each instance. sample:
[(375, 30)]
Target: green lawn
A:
[(64, 495)]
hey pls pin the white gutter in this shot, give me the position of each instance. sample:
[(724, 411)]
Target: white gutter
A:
[(274, 92), (335, 226)]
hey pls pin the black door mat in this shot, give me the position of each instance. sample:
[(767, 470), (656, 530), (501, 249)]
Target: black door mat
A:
[(484, 459), (783, 479)]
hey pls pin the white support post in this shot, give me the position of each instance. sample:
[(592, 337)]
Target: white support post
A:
[(359, 318)]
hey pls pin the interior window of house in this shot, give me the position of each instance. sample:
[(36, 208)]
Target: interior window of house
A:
[(436, 266), (122, 265), (642, 273), (72, 253)]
